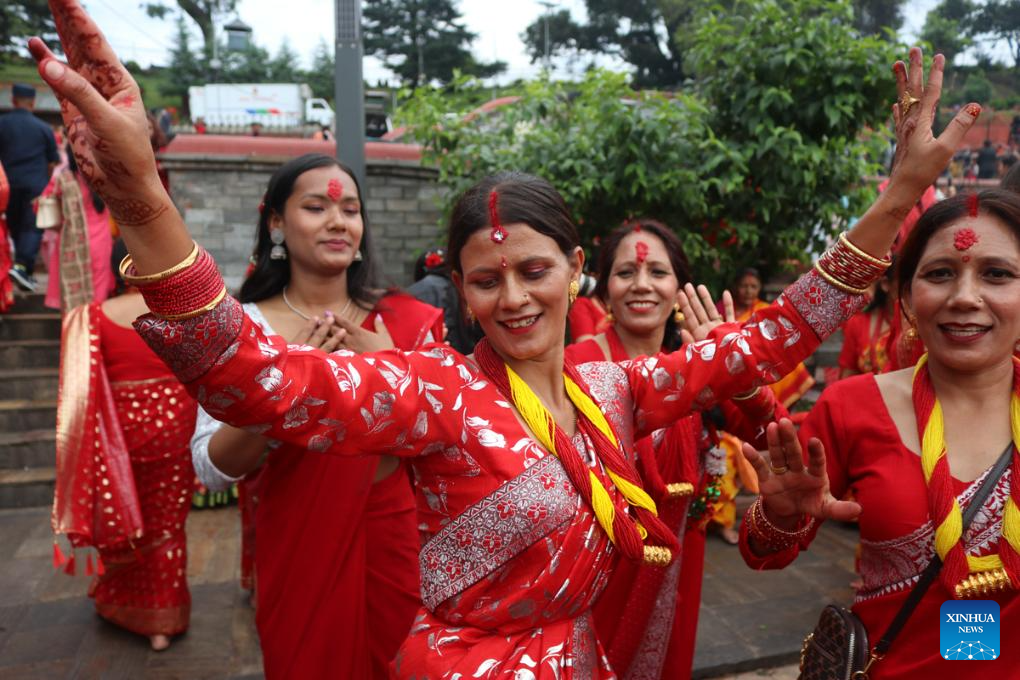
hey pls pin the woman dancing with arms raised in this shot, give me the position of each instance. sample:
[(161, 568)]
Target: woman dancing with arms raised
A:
[(518, 543)]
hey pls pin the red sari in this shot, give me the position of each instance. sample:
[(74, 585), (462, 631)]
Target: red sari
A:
[(336, 555), (867, 343), (512, 559), (647, 618), (131, 500), (864, 455)]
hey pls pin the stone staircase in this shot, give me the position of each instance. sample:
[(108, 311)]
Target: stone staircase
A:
[(29, 366)]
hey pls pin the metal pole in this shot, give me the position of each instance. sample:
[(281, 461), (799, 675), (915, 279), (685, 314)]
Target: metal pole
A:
[(349, 89), (545, 21)]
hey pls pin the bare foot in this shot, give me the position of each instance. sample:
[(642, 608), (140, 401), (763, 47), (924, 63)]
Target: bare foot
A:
[(159, 642), (730, 535)]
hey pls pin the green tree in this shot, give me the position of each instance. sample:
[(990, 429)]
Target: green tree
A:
[(795, 114), (421, 41), (285, 67), (647, 34), (250, 65), (321, 77), (22, 19), (873, 17), (754, 165), (947, 27), (203, 12), (185, 68), (1000, 20)]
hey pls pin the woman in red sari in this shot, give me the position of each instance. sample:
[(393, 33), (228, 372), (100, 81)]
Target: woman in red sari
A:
[(927, 442), (648, 618), (869, 339), (527, 496), (335, 598), (124, 476)]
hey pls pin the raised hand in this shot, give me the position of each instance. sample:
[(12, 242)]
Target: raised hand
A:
[(107, 128), (700, 313), (791, 489), (920, 156)]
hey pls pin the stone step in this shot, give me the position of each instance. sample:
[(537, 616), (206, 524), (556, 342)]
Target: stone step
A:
[(30, 303), (29, 383), (30, 353), (27, 488), (27, 449), (17, 415), (35, 326)]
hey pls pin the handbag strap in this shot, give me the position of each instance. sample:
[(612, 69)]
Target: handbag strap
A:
[(932, 570)]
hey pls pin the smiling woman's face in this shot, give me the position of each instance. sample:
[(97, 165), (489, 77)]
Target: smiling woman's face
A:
[(642, 285), (967, 299), (517, 290), (321, 220)]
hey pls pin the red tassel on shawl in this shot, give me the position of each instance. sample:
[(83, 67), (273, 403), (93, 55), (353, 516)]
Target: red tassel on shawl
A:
[(69, 569), (100, 567), (89, 569), (59, 558)]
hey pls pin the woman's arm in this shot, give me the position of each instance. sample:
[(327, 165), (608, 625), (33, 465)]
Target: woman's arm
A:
[(216, 470)]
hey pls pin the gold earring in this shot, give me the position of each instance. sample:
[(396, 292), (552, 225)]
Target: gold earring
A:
[(469, 314), (678, 316), (573, 290), (911, 333), (610, 319)]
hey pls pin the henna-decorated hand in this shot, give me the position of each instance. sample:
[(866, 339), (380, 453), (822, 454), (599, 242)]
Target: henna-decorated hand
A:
[(920, 156), (788, 488), (102, 109)]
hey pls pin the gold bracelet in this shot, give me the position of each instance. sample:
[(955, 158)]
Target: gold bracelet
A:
[(127, 263), (882, 262), (750, 395), (207, 308), (679, 489), (839, 284)]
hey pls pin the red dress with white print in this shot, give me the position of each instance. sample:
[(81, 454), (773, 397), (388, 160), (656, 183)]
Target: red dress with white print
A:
[(512, 558)]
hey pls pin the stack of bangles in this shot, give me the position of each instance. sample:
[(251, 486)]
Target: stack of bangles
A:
[(190, 288), (768, 535), (849, 268)]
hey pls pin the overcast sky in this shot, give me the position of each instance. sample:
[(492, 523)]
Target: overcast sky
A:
[(304, 22)]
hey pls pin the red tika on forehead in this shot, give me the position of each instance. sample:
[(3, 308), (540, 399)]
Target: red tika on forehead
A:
[(498, 233), (334, 190), (972, 205), (964, 239), (640, 251)]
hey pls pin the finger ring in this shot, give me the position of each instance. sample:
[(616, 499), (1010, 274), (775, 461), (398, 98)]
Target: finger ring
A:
[(781, 470), (907, 102)]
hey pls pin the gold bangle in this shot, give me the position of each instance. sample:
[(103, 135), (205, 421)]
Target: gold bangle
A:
[(207, 308), (882, 262), (839, 284), (127, 263), (750, 395)]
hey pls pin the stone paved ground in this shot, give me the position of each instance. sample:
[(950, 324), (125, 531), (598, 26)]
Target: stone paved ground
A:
[(751, 624)]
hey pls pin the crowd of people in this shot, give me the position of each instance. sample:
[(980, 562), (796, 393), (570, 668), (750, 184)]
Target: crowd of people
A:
[(445, 482)]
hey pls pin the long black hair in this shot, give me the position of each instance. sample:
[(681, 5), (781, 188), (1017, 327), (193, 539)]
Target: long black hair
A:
[(677, 260), (97, 202), (269, 277)]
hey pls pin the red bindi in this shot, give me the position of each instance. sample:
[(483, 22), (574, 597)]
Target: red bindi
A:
[(964, 239), (640, 251), (334, 190), (498, 233), (972, 205), (966, 258)]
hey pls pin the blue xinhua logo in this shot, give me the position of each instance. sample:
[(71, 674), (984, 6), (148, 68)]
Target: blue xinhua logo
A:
[(969, 630)]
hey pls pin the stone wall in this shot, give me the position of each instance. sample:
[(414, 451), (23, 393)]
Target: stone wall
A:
[(219, 196)]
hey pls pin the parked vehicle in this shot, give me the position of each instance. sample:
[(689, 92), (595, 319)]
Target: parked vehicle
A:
[(267, 104)]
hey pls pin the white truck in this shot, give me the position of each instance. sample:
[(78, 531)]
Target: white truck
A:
[(270, 104)]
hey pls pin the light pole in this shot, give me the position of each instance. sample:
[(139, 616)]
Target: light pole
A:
[(349, 93), (548, 5)]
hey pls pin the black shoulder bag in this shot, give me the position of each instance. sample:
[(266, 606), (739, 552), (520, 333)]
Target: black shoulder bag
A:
[(838, 647)]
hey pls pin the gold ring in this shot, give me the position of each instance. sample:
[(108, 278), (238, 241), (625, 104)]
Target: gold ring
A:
[(781, 470), (907, 102)]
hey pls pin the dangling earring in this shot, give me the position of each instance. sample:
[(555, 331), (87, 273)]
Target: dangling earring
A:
[(277, 252), (678, 316), (469, 314), (911, 333), (357, 256), (610, 319), (573, 290)]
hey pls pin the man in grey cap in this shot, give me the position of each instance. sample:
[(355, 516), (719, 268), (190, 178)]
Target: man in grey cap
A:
[(28, 152)]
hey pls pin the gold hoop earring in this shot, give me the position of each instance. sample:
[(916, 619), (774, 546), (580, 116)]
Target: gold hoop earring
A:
[(678, 316), (573, 290)]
